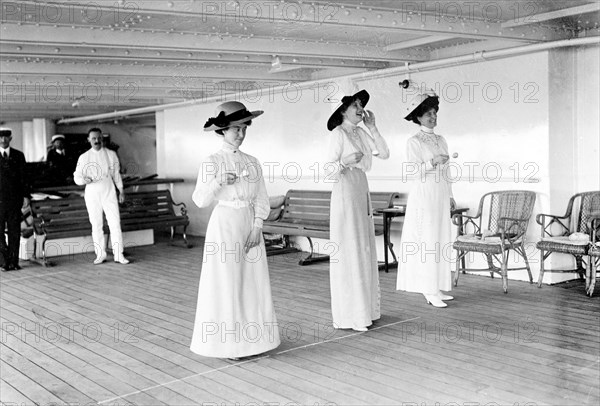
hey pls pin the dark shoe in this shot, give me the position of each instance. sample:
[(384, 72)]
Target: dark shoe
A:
[(17, 267), (3, 268), (10, 267)]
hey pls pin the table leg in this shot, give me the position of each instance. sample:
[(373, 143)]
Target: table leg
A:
[(386, 240), (463, 261)]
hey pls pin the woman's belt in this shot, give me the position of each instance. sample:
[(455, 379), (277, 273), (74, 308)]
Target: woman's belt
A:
[(236, 204)]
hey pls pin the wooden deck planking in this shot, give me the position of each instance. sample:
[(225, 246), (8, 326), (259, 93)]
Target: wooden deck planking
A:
[(445, 358), (50, 362), (24, 386), (172, 397), (129, 352), (341, 391), (106, 359), (11, 393), (417, 380), (110, 374), (387, 365), (369, 387), (302, 392)]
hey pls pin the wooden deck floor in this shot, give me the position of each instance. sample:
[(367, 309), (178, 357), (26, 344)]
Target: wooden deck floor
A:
[(119, 335)]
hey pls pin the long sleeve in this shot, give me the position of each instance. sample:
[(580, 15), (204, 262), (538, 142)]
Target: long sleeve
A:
[(115, 169), (51, 158), (78, 174), (446, 168), (261, 200), (418, 159), (22, 183), (206, 184), (418, 165), (333, 157), (26, 191), (377, 142)]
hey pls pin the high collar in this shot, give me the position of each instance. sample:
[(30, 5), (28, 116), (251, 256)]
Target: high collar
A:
[(348, 125), (427, 130), (229, 148), (6, 151)]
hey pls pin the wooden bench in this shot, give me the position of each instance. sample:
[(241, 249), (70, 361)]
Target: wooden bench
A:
[(306, 214), (68, 217), (153, 210)]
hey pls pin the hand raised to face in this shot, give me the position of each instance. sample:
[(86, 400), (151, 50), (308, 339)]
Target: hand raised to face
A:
[(369, 118)]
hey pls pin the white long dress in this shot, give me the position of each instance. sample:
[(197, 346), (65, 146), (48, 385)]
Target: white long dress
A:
[(234, 315), (426, 245), (353, 270)]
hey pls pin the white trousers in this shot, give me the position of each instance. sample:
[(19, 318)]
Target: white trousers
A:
[(101, 197)]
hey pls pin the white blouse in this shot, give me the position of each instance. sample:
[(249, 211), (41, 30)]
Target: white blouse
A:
[(348, 138), (421, 148), (249, 187)]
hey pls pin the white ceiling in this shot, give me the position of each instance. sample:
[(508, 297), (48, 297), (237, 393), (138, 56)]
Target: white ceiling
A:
[(76, 58)]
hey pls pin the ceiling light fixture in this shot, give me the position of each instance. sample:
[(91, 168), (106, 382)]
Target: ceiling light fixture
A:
[(275, 64)]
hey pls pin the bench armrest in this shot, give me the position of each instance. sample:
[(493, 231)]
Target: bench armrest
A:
[(182, 208), (42, 225), (181, 205)]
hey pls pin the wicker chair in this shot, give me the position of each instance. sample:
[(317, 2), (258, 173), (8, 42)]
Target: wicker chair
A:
[(594, 255), (499, 227), (557, 232)]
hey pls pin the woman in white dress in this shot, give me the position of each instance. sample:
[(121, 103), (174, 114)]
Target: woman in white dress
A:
[(235, 315), (354, 274), (426, 233)]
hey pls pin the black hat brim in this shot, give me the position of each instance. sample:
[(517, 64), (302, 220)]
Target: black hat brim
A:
[(337, 118)]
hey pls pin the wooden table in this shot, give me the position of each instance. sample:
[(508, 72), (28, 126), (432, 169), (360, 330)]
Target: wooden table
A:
[(388, 247)]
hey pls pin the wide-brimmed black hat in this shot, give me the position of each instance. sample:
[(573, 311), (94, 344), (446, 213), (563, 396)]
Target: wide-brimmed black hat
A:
[(229, 114), (337, 118)]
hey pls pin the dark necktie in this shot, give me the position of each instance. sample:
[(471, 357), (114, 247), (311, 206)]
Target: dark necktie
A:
[(4, 155)]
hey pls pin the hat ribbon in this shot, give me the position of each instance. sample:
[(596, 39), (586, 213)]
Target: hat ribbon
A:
[(223, 120)]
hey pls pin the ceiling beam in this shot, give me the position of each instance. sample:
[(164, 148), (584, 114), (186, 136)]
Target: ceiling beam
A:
[(94, 38), (165, 71), (431, 39), (472, 19), (552, 15), (238, 18), (146, 57)]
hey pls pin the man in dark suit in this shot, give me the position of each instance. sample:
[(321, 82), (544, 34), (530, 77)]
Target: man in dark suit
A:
[(14, 195), (60, 162)]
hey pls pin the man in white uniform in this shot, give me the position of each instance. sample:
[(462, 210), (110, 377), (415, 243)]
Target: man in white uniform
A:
[(98, 170)]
